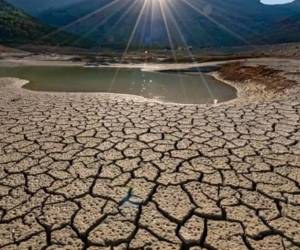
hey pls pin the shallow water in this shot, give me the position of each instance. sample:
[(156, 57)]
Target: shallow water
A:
[(166, 87)]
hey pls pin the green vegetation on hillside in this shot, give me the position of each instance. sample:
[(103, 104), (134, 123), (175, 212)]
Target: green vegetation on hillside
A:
[(16, 27)]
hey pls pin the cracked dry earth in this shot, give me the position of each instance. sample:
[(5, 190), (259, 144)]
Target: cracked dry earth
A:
[(88, 171)]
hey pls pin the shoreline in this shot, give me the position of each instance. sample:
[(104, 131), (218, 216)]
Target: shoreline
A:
[(160, 68), (245, 93)]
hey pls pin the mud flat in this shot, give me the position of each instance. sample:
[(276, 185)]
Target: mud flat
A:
[(105, 171)]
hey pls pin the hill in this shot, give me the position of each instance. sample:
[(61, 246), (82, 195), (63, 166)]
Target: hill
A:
[(37, 6), (16, 27), (207, 23), (287, 30)]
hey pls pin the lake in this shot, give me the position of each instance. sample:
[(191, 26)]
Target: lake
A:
[(165, 87)]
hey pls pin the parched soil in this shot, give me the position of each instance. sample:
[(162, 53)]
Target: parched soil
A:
[(108, 172), (270, 79)]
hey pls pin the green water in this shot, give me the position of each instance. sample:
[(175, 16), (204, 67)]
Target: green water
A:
[(167, 87)]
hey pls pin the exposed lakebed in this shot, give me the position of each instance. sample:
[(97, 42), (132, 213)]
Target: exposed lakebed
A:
[(175, 87)]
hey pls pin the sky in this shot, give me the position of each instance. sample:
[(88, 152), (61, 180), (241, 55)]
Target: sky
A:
[(276, 1)]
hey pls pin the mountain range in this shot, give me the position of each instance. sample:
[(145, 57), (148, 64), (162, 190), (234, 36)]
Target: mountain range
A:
[(174, 23)]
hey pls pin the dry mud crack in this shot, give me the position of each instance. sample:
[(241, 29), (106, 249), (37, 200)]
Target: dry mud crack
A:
[(96, 172)]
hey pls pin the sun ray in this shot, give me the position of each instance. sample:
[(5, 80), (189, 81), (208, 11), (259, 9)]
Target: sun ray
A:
[(135, 26), (226, 15), (161, 4), (145, 23), (91, 14), (128, 43), (121, 18), (163, 13), (223, 27), (189, 52), (89, 32)]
